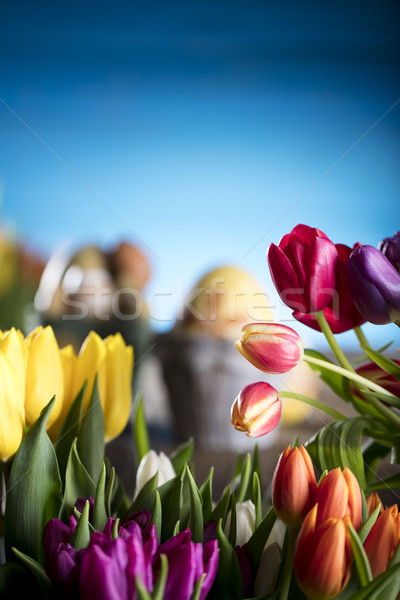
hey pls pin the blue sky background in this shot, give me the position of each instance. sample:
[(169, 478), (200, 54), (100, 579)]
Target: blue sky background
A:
[(202, 131)]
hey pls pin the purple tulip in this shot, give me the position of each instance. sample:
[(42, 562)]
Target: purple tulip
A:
[(187, 562), (302, 268), (390, 247), (374, 284)]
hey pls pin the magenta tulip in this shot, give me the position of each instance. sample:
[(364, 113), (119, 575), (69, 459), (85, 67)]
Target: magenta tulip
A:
[(341, 313), (187, 562), (374, 284), (257, 409), (303, 269)]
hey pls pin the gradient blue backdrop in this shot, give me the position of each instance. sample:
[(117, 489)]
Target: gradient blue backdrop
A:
[(202, 131)]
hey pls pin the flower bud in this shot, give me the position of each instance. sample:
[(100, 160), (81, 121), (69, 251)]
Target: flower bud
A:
[(151, 464), (12, 422), (256, 410), (379, 376), (323, 556), (245, 522), (90, 363), (68, 361), (382, 540), (373, 501), (44, 375), (338, 495), (293, 485), (270, 347), (390, 247), (374, 284), (303, 269), (12, 344)]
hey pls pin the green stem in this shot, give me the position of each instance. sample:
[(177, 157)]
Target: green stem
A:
[(361, 381), (361, 337), (336, 349), (315, 403), (288, 568)]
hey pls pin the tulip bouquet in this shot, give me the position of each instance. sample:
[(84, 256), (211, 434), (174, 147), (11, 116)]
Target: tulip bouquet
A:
[(318, 530)]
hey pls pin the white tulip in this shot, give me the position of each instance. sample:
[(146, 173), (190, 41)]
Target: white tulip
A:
[(268, 570), (245, 522), (151, 464)]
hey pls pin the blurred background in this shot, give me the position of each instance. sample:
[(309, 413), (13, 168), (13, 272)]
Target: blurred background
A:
[(195, 133)]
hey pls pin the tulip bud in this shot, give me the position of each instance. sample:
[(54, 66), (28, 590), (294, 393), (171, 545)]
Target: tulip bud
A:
[(151, 464), (12, 422), (44, 375), (323, 556), (117, 399), (270, 347), (338, 495), (341, 313), (382, 540), (256, 410), (378, 375), (245, 522), (390, 247), (68, 361), (374, 284), (12, 344), (90, 363), (303, 269), (373, 501), (293, 485)]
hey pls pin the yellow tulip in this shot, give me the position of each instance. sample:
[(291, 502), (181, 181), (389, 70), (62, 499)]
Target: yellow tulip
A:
[(117, 399), (69, 362), (13, 347), (12, 422), (44, 375), (90, 363)]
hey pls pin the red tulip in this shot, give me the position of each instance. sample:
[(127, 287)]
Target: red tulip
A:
[(323, 556), (382, 540), (338, 495), (341, 313), (303, 269), (256, 410), (378, 375), (293, 485), (270, 347)]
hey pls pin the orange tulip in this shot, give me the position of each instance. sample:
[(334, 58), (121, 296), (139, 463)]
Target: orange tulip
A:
[(338, 495), (293, 485), (382, 540), (323, 556), (373, 501)]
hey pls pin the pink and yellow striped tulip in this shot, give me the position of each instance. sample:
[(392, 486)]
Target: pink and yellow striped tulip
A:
[(256, 410)]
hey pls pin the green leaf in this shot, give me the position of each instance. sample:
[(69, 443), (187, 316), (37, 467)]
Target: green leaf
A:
[(17, 581), (360, 557), (156, 515), (197, 588), (338, 445), (182, 456), (233, 524), (109, 492), (244, 479), (367, 525), (338, 383), (257, 499), (159, 587), (391, 482), (373, 452), (139, 428), (256, 464), (38, 572), (142, 593), (99, 508), (228, 582), (196, 509), (373, 591), (81, 535), (91, 435), (206, 495), (141, 499), (256, 543), (33, 490), (221, 509), (78, 483), (69, 431), (382, 361)]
